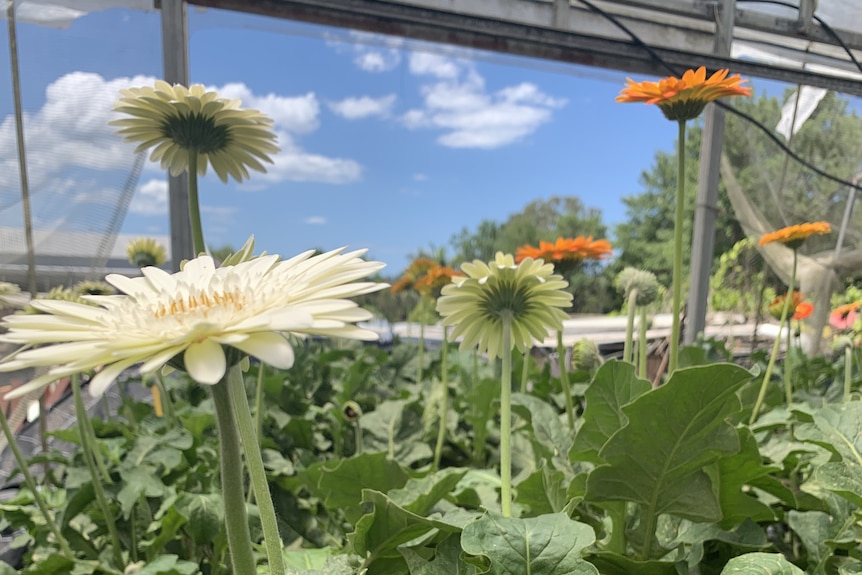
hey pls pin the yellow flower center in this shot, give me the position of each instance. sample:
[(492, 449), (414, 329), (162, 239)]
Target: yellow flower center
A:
[(201, 303)]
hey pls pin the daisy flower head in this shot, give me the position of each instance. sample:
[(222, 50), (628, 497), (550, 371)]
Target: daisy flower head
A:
[(527, 295), (795, 236), (146, 252), (179, 122), (684, 98), (193, 317), (565, 253)]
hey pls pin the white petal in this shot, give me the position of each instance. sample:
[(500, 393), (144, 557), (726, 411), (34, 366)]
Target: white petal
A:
[(205, 362), (270, 348), (102, 380)]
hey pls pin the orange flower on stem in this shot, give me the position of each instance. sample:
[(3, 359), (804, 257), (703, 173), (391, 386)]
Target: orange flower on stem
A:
[(566, 252), (413, 275), (794, 236), (684, 98), (777, 305), (803, 310)]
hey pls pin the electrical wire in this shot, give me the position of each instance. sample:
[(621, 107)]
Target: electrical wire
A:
[(769, 134)]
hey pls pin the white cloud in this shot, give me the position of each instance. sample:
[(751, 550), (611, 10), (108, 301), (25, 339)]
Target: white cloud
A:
[(459, 104), (71, 131), (364, 107), (315, 220), (372, 52), (151, 198), (420, 177), (294, 164)]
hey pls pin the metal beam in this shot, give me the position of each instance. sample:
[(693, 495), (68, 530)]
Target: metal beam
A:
[(529, 31), (175, 55), (706, 205)]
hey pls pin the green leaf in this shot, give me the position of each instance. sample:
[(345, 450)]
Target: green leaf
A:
[(447, 560), (737, 472), (307, 558), (544, 491), (819, 533), (479, 399), (54, 564), (420, 495), (205, 515), (138, 481), (760, 564), (385, 526), (401, 423), (614, 386), (550, 437), (340, 483), (545, 545), (613, 564), (335, 565), (838, 428), (168, 565), (6, 569), (674, 431)]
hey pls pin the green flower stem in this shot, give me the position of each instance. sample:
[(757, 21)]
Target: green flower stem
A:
[(194, 206), (617, 513), (31, 485), (506, 420), (771, 365), (444, 400), (233, 494), (478, 449), (167, 404), (788, 364), (420, 357), (677, 250), (258, 415), (87, 447), (848, 371), (97, 454), (642, 344), (525, 371), (254, 461), (564, 380), (631, 300)]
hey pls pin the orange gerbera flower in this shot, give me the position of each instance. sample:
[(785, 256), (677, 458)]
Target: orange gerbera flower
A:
[(777, 305), (417, 269), (566, 250), (437, 277), (684, 98), (803, 310), (794, 236)]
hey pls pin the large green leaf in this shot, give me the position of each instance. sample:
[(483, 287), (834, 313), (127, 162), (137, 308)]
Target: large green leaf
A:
[(819, 533), (760, 564), (420, 495), (614, 564), (447, 560), (736, 472), (205, 515), (550, 437), (397, 425), (657, 460), (544, 491), (545, 545), (340, 483), (838, 428), (385, 526), (614, 386)]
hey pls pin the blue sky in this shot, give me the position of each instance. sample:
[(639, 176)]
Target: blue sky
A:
[(386, 144)]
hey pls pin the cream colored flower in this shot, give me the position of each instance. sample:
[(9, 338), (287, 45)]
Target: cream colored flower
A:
[(144, 252), (528, 294), (192, 314), (175, 121)]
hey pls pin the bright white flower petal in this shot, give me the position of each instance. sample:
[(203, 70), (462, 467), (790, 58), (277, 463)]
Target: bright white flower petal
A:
[(205, 362), (271, 348)]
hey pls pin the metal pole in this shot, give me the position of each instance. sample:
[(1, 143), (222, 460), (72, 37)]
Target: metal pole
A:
[(22, 156), (703, 240), (175, 53), (845, 221)]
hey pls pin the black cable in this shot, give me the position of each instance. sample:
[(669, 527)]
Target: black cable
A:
[(798, 159)]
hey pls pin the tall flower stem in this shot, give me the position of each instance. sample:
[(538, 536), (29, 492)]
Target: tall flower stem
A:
[(194, 205), (677, 250), (256, 471), (642, 344), (233, 494), (771, 365), (87, 447), (631, 300), (31, 485), (848, 371), (788, 363), (564, 380), (525, 370), (444, 400), (420, 356), (506, 420), (258, 415)]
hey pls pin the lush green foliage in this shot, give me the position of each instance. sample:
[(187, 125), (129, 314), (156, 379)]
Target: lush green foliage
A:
[(666, 480)]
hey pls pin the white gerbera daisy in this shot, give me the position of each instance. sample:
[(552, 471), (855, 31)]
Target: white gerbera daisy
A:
[(527, 295), (195, 312), (177, 122)]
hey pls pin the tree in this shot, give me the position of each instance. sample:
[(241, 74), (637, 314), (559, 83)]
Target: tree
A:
[(781, 189)]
